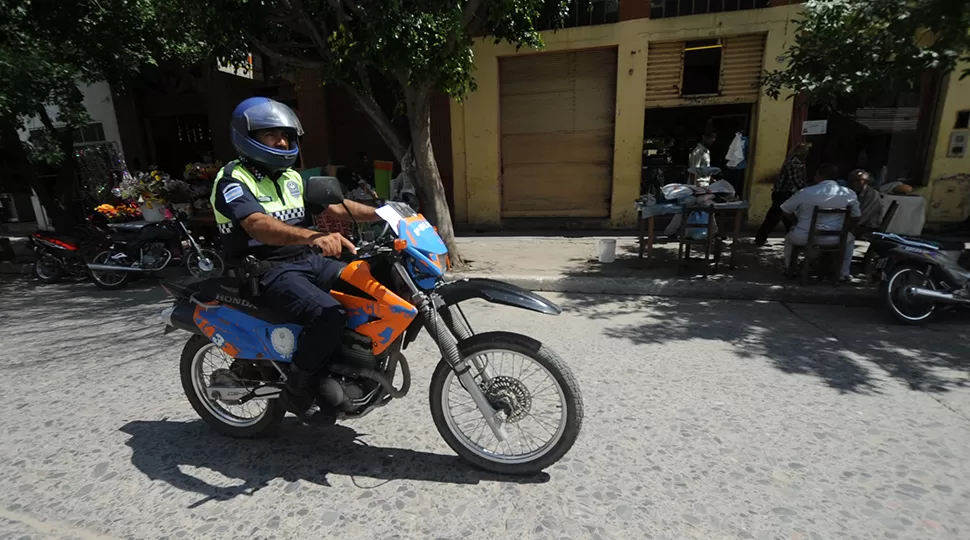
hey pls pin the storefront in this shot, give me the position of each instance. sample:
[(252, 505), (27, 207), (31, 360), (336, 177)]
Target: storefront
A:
[(565, 136)]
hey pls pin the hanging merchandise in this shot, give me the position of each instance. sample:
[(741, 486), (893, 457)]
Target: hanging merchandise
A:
[(735, 153)]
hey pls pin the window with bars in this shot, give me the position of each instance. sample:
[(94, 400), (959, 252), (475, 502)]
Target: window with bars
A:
[(582, 13), (661, 9)]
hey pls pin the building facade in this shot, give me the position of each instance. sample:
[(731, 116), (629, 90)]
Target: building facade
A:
[(567, 134)]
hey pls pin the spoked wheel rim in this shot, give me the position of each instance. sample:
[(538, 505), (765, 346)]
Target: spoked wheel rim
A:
[(532, 401), (47, 267), (106, 277), (207, 361), (205, 264), (904, 303)]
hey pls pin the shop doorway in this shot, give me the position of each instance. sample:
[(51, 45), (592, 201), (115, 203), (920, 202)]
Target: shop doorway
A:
[(669, 135)]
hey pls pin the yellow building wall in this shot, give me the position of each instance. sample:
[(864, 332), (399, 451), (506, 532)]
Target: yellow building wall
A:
[(949, 198), (475, 121)]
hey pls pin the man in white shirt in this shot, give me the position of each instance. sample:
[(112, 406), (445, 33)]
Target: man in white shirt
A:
[(700, 157), (698, 160), (826, 194)]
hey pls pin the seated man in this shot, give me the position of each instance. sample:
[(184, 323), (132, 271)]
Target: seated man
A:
[(826, 194), (870, 203)]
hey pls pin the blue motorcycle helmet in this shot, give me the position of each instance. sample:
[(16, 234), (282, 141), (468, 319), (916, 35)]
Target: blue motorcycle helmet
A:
[(258, 113)]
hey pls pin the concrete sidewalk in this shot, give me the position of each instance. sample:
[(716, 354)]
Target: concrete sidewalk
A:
[(565, 264), (561, 264)]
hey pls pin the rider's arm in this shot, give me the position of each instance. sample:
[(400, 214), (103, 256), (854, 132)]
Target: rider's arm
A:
[(360, 212), (274, 232), (234, 200)]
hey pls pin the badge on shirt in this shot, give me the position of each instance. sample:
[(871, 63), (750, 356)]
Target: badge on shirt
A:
[(232, 192), (265, 198), (294, 188)]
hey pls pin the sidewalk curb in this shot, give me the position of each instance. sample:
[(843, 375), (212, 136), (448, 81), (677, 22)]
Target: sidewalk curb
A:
[(683, 288), (15, 268)]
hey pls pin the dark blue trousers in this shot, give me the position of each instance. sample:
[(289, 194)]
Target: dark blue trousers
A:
[(299, 291)]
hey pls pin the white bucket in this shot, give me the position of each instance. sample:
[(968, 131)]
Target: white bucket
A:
[(607, 250), (152, 212)]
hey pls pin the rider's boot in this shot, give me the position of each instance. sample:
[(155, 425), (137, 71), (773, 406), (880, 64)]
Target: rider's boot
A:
[(298, 398)]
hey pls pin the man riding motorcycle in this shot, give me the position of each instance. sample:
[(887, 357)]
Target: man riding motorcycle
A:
[(259, 209)]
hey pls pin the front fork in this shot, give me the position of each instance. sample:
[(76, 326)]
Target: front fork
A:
[(448, 345)]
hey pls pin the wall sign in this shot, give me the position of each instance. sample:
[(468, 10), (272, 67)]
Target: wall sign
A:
[(814, 127)]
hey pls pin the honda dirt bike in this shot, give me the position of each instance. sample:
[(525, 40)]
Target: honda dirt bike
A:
[(503, 401), (151, 251), (919, 275)]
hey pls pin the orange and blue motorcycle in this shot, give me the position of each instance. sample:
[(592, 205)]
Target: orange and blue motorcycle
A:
[(503, 401)]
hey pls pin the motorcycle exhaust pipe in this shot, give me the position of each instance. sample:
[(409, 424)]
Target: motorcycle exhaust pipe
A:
[(109, 268), (939, 296), (182, 317)]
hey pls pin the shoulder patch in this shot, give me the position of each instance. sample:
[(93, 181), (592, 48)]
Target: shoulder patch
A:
[(294, 188), (232, 192)]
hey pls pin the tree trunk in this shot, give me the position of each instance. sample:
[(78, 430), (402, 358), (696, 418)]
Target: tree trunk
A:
[(428, 183), (66, 185), (21, 163)]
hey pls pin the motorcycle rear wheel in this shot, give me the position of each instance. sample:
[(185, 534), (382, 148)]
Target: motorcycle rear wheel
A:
[(214, 412), (523, 405), (48, 269), (108, 281), (908, 311)]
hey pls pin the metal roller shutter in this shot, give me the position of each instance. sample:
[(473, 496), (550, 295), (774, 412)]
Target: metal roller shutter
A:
[(741, 66), (665, 62), (557, 116)]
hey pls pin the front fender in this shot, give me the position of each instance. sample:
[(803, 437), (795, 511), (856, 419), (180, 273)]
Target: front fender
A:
[(496, 292)]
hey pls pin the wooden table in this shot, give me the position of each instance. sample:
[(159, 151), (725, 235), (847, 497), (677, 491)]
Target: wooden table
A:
[(646, 215)]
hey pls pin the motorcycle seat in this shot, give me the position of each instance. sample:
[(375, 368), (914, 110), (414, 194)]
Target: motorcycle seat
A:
[(228, 290)]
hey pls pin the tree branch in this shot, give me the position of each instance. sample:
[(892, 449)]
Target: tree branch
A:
[(469, 12), (354, 7), (385, 128), (469, 23), (315, 34), (291, 60), (45, 119)]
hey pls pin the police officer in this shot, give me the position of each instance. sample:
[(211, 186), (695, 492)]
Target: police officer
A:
[(259, 209)]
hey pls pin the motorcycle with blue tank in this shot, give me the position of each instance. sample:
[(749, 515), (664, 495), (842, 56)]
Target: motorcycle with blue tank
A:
[(503, 401), (918, 275)]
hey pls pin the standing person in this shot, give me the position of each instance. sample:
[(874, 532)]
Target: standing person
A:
[(259, 209), (790, 180), (699, 158), (826, 193)]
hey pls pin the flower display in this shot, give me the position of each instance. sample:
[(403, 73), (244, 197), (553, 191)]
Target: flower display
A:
[(144, 186), (119, 213)]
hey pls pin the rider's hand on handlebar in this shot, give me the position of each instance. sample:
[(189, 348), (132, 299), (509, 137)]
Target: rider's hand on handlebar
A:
[(332, 245)]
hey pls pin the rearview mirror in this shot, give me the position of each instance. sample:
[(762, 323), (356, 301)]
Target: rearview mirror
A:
[(323, 190)]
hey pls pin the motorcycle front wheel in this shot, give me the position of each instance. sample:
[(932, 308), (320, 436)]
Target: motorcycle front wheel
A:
[(902, 306), (205, 264), (536, 393), (108, 280)]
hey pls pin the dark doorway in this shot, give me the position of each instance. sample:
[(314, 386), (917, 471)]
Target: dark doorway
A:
[(669, 135)]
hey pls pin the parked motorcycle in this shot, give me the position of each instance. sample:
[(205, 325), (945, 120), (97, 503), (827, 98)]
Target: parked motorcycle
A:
[(503, 401), (60, 255), (153, 250), (918, 276)]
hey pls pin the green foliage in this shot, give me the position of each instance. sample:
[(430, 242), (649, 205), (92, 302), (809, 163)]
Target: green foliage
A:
[(47, 47), (366, 44), (850, 52)]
